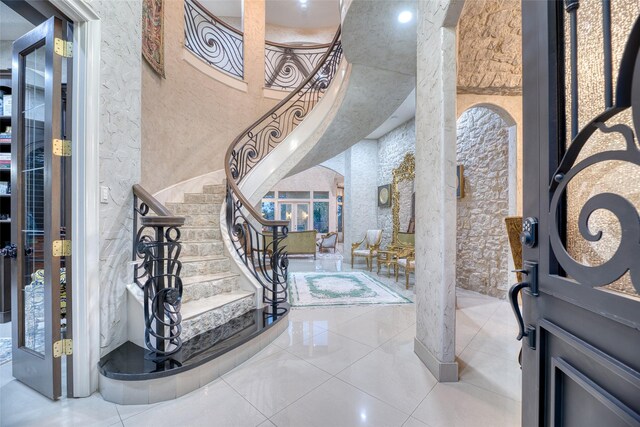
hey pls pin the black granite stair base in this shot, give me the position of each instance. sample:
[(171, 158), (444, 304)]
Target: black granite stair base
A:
[(130, 362)]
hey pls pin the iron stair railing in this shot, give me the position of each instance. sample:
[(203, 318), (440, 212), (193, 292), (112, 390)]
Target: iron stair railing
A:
[(156, 252), (266, 257)]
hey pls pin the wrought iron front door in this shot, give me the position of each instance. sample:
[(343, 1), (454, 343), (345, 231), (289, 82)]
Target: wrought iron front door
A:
[(581, 238), (39, 215)]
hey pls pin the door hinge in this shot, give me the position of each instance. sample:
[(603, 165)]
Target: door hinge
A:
[(61, 248), (61, 347), (63, 48), (62, 147)]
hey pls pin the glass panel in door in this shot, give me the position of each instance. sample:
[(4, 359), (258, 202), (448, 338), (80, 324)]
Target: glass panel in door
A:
[(33, 192), (302, 217)]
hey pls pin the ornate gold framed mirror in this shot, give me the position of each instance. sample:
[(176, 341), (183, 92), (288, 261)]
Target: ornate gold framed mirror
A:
[(402, 193)]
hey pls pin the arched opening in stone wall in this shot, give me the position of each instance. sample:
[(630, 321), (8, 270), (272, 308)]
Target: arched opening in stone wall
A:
[(486, 148)]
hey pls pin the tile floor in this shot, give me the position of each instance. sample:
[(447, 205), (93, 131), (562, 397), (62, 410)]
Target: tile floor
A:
[(333, 367)]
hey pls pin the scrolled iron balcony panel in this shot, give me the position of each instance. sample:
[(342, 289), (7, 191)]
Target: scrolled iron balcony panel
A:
[(156, 253), (212, 40), (257, 241), (286, 67)]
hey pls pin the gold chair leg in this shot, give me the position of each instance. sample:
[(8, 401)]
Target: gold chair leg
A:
[(352, 257), (406, 272)]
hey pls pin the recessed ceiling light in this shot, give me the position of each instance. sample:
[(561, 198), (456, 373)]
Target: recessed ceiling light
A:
[(405, 17), (303, 1)]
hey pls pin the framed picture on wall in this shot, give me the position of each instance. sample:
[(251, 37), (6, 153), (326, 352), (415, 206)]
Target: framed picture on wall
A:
[(384, 196)]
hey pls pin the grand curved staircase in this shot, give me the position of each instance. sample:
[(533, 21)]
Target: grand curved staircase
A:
[(210, 272)]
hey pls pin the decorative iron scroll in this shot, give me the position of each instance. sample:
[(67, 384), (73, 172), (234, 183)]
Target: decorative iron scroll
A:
[(156, 252), (626, 256), (260, 250), (259, 242), (262, 137), (212, 40), (286, 67)]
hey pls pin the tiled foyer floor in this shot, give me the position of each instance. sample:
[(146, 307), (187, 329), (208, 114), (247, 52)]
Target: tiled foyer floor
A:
[(347, 366)]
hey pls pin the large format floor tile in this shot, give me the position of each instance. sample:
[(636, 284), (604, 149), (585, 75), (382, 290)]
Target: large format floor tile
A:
[(372, 328), (272, 383), (215, 404), (493, 373), (329, 351), (465, 405), (402, 381), (497, 338), (338, 404)]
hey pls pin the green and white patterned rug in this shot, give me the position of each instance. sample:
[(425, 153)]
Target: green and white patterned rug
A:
[(324, 289)]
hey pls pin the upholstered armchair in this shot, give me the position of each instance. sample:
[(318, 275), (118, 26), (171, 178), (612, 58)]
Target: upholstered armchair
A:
[(367, 247), (328, 241), (406, 261)]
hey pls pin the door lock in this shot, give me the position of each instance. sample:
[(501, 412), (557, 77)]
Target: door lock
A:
[(530, 271), (529, 235)]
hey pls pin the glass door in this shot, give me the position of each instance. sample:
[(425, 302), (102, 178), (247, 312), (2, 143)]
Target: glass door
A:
[(38, 269)]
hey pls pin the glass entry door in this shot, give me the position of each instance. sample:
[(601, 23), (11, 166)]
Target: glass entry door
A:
[(39, 150), (297, 213)]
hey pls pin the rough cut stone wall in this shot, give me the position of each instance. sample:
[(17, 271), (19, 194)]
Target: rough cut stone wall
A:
[(482, 245), (361, 166), (120, 138), (489, 48), (392, 148)]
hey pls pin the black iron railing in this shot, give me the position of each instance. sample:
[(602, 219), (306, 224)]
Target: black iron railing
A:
[(287, 66), (214, 41), (156, 252), (256, 240)]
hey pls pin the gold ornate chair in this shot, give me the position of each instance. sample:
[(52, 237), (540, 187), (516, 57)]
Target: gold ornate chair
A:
[(407, 261), (328, 241), (367, 247)]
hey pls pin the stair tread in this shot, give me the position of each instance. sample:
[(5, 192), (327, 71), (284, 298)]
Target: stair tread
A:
[(202, 241), (194, 308), (206, 277), (196, 258)]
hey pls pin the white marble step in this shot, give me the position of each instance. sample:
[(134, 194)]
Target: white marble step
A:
[(205, 286), (203, 197), (201, 247), (202, 315), (202, 265)]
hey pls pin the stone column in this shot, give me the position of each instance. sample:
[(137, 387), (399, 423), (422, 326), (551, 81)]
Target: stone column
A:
[(360, 193), (436, 187), (254, 35)]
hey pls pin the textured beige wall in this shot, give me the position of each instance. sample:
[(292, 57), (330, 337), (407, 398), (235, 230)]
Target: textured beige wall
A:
[(489, 47), (189, 119)]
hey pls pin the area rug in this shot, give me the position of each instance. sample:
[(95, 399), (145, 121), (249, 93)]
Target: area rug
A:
[(5, 350), (329, 289)]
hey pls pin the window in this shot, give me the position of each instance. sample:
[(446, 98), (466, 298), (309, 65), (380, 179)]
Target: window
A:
[(269, 210), (320, 194), (269, 195), (321, 216), (294, 195)]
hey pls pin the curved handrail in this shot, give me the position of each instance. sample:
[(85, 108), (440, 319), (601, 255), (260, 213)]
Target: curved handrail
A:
[(256, 240), (155, 205), (232, 150), (218, 20), (298, 46)]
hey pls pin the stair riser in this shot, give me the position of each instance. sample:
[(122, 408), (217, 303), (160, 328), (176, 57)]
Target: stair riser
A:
[(195, 235), (202, 220), (203, 198), (216, 317), (209, 288), (214, 189), (201, 249), (201, 268), (194, 208)]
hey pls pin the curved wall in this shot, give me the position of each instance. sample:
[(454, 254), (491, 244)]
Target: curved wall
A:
[(189, 118)]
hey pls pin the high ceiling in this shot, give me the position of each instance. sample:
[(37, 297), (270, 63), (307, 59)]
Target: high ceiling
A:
[(285, 13), (12, 25)]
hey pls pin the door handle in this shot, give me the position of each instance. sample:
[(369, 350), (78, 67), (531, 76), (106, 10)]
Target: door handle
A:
[(529, 331)]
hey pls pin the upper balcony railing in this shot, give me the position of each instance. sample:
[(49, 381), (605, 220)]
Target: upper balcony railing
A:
[(287, 66), (214, 41), (258, 241)]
